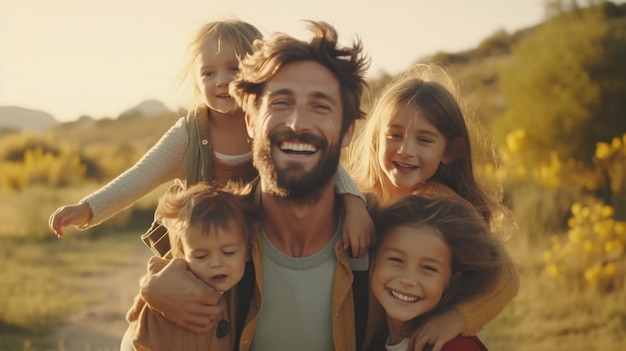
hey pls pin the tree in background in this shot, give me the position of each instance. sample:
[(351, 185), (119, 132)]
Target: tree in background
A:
[(567, 84)]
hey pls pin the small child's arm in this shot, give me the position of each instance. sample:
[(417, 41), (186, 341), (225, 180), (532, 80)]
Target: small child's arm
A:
[(358, 227), (469, 317), (478, 311)]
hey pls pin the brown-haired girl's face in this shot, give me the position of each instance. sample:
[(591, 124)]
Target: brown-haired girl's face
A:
[(411, 149), (413, 267), (216, 66)]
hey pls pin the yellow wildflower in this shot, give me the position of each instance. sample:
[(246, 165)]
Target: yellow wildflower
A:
[(603, 150), (553, 270), (608, 271), (607, 211), (547, 256), (591, 274), (616, 143), (576, 208)]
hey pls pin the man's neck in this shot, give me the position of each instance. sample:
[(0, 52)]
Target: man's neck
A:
[(300, 229)]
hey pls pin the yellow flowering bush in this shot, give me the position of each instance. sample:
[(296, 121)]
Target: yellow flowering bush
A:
[(592, 252), (610, 160)]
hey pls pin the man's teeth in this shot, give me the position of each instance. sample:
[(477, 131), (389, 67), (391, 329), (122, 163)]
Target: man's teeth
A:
[(403, 297), (298, 147)]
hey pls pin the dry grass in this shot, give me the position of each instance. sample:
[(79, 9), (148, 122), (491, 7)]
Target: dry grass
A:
[(45, 282), (548, 315)]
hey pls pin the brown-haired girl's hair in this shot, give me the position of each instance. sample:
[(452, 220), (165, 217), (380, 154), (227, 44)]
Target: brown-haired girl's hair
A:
[(430, 90), (347, 64), (206, 208), (476, 254)]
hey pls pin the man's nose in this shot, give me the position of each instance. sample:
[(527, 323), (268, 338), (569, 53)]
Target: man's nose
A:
[(298, 119)]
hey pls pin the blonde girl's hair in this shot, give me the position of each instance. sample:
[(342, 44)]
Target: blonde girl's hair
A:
[(476, 255), (432, 91), (241, 35), (206, 208)]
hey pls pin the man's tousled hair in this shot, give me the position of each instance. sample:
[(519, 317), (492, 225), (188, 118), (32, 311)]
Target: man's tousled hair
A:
[(347, 64)]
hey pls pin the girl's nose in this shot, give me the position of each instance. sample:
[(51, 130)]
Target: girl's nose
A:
[(407, 147), (224, 78), (408, 278)]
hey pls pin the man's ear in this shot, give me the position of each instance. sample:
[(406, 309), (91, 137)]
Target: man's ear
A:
[(249, 126), (347, 136)]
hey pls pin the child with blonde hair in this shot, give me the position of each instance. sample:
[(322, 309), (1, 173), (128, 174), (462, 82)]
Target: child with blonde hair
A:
[(416, 141), (224, 150), (211, 230)]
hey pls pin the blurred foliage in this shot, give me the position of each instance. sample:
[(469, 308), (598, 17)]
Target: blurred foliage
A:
[(567, 82), (593, 250)]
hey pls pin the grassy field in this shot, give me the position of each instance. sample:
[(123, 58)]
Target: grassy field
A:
[(548, 315), (54, 293)]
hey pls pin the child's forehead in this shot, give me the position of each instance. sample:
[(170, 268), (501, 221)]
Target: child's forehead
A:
[(219, 233)]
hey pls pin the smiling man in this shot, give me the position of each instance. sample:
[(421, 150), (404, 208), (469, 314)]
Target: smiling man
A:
[(301, 100)]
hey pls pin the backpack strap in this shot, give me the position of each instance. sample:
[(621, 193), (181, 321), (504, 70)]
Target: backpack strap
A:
[(200, 153), (360, 294)]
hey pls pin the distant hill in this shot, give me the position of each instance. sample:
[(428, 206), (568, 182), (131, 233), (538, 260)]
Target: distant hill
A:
[(13, 118), (148, 108), (19, 118)]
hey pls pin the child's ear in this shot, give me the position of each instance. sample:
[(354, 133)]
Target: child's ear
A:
[(452, 151), (453, 278)]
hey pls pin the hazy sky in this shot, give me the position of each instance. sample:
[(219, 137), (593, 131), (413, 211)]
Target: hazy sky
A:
[(100, 57)]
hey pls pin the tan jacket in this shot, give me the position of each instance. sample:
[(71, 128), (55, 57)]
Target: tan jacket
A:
[(150, 331)]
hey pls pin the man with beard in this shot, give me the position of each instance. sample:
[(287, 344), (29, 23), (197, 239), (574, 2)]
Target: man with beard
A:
[(301, 101)]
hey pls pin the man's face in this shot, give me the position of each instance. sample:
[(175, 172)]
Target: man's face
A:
[(296, 131)]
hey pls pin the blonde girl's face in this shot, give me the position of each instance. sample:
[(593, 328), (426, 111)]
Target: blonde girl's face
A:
[(411, 149), (217, 258), (411, 271), (216, 67)]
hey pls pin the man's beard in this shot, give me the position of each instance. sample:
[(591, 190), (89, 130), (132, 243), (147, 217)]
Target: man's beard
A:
[(292, 182)]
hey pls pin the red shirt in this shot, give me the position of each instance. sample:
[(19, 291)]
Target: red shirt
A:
[(460, 343)]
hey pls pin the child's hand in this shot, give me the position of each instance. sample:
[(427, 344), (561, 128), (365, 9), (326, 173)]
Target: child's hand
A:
[(358, 228), (182, 298), (78, 214), (437, 331)]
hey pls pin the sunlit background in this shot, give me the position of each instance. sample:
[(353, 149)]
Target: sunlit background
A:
[(99, 57)]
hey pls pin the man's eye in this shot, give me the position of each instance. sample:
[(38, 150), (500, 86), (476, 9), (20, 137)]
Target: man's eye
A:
[(321, 107), (279, 103)]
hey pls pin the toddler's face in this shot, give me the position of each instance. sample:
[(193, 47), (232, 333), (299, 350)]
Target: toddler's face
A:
[(216, 67), (412, 269), (217, 258)]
